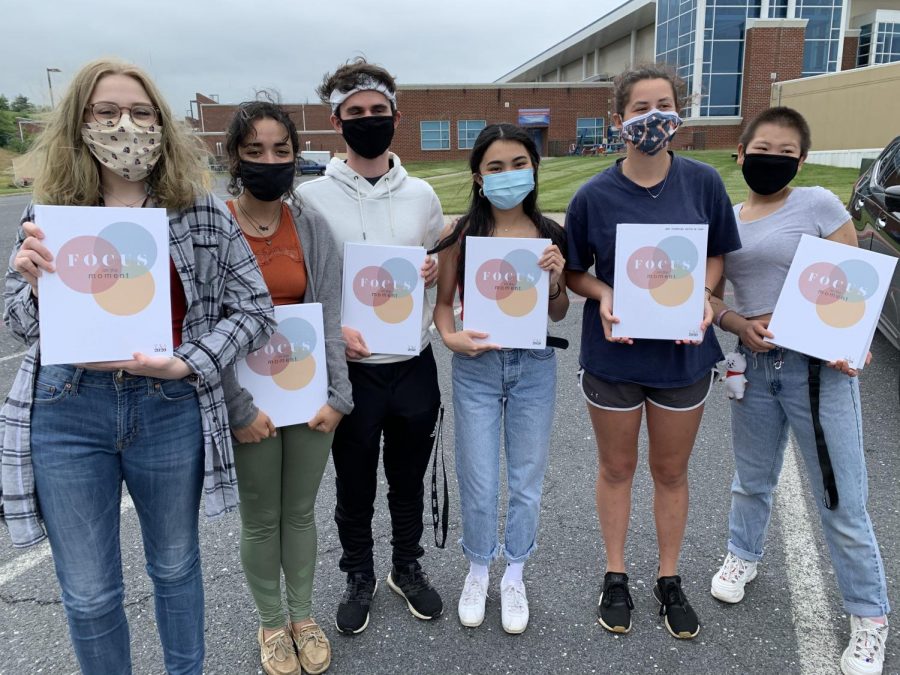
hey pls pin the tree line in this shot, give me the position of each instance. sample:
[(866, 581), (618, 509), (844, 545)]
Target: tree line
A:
[(20, 106)]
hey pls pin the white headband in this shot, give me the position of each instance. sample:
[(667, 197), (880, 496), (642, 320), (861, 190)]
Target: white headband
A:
[(363, 84)]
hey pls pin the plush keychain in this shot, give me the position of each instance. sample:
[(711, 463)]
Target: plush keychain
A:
[(735, 382)]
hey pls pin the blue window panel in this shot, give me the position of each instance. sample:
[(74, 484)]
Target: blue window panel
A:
[(435, 135), (724, 90), (660, 39), (467, 131), (815, 57), (589, 130), (819, 23), (727, 56), (729, 23)]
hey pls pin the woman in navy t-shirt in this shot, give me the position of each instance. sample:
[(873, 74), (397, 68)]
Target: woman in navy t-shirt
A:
[(620, 375)]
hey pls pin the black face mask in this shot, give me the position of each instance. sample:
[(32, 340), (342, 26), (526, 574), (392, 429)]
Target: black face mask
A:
[(267, 182), (767, 174), (368, 137)]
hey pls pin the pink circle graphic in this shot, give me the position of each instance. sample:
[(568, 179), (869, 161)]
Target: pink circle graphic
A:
[(88, 264), (373, 286), (272, 358), (649, 267), (823, 283), (496, 279)]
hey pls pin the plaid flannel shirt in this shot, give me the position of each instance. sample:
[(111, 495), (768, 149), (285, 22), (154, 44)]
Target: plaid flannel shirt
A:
[(229, 312)]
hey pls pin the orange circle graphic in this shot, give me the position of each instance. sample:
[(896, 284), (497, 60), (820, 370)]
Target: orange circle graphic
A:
[(841, 314), (674, 292), (127, 296), (395, 310), (297, 375), (519, 303)]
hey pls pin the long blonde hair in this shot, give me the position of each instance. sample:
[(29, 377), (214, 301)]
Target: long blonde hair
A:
[(68, 174)]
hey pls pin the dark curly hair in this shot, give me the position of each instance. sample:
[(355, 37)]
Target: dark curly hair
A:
[(349, 75), (241, 127)]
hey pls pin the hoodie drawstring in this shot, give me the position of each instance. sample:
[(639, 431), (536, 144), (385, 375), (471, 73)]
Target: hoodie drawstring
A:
[(387, 181), (362, 218)]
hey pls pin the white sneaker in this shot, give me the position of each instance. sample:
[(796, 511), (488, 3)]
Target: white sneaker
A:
[(735, 573), (471, 602), (513, 607), (865, 653)]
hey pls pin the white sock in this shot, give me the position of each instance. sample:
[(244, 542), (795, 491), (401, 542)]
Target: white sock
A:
[(477, 571), (513, 573)]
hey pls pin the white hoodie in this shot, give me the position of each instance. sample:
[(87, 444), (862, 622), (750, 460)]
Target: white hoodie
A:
[(398, 210)]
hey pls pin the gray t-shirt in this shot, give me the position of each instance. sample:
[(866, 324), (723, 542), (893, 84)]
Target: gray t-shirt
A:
[(758, 269)]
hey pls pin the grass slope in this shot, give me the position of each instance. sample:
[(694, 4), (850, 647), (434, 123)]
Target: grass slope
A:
[(560, 177)]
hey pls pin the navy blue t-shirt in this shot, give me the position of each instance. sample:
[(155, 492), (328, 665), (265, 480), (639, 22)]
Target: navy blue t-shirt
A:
[(693, 194)]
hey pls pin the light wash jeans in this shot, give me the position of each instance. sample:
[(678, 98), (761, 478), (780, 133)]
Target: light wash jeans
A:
[(515, 388), (776, 400), (89, 432)]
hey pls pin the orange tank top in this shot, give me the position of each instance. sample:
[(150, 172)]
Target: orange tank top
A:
[(280, 257)]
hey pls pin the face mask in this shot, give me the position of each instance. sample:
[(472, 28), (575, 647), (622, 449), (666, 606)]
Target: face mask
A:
[(267, 182), (125, 148), (767, 174), (652, 131), (368, 137), (508, 189)]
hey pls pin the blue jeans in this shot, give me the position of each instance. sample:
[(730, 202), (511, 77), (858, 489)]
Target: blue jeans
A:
[(776, 400), (90, 431), (517, 387)]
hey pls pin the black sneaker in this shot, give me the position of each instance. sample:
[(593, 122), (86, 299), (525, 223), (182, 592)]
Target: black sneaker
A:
[(411, 583), (615, 605), (353, 610), (681, 619)]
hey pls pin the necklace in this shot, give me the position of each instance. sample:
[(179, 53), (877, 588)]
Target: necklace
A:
[(666, 180), (142, 199), (261, 230)]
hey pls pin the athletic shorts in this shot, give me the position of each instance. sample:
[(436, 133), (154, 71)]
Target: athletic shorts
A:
[(623, 396)]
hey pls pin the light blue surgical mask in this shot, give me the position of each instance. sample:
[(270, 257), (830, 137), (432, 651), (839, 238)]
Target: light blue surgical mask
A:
[(506, 190)]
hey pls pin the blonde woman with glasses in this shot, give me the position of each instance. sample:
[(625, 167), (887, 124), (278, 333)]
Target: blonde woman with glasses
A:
[(73, 433)]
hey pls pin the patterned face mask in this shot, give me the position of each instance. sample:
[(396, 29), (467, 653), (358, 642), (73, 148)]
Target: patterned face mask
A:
[(125, 148), (652, 131)]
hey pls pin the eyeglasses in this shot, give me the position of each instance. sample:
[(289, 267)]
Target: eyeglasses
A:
[(108, 113)]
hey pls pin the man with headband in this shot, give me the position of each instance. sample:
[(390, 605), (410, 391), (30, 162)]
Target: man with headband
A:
[(370, 198)]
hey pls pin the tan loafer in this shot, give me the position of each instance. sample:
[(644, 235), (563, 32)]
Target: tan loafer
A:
[(277, 653), (313, 648)]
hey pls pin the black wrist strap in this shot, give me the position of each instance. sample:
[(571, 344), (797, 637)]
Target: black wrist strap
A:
[(439, 516), (831, 492)]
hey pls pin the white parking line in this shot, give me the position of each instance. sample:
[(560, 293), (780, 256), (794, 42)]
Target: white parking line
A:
[(817, 649), (35, 556), (18, 355)]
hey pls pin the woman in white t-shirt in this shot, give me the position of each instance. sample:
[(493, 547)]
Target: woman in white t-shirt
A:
[(787, 390)]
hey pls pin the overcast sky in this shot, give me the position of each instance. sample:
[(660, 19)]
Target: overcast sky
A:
[(232, 48)]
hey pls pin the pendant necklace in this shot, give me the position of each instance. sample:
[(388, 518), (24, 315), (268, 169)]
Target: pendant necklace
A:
[(262, 230)]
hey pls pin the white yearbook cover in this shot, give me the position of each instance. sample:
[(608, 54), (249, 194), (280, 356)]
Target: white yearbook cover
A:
[(288, 377), (507, 294), (831, 300), (660, 272), (109, 296), (382, 296)]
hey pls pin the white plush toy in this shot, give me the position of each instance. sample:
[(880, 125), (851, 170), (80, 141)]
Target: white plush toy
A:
[(735, 382)]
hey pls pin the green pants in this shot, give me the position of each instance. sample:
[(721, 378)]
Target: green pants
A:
[(278, 479)]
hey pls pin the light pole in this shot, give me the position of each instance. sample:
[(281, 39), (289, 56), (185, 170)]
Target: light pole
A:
[(50, 84)]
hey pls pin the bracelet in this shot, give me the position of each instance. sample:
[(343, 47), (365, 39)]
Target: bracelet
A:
[(721, 315), (708, 292), (555, 295)]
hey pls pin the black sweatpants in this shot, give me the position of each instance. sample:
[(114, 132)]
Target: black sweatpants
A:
[(400, 401)]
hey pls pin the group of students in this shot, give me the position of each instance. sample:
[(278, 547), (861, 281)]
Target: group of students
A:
[(73, 433)]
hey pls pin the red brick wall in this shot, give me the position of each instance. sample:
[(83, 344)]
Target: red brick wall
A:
[(566, 104), (718, 137), (851, 46), (768, 50)]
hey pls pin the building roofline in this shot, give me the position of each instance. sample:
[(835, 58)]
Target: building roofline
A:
[(619, 13), (507, 85)]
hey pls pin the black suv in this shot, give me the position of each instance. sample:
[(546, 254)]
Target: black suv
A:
[(875, 207)]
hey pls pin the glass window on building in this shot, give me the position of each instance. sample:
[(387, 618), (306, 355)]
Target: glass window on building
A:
[(778, 9), (865, 46), (435, 135), (723, 55), (589, 130), (887, 46), (823, 32), (467, 131)]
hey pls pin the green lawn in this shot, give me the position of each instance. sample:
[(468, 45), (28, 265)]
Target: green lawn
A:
[(561, 176)]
